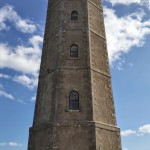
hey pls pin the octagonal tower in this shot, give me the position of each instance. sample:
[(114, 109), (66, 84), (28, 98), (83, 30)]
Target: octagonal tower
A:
[(74, 107)]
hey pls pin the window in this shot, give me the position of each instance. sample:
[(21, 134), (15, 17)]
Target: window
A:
[(74, 51), (74, 101), (74, 15)]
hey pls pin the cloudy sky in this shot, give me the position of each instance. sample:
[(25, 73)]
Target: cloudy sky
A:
[(128, 36)]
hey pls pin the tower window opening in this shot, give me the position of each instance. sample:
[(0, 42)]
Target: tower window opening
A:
[(74, 51), (74, 100), (74, 15)]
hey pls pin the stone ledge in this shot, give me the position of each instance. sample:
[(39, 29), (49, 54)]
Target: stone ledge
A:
[(106, 127), (101, 72), (76, 124)]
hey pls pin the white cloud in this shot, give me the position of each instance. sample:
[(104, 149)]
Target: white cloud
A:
[(25, 26), (124, 2), (25, 59), (33, 98), (21, 101), (7, 13), (125, 148), (128, 132), (124, 32), (29, 82), (6, 95), (5, 76), (145, 3), (14, 144), (10, 144), (139, 132), (145, 128)]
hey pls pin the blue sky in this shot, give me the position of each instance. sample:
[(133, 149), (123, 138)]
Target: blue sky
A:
[(127, 25)]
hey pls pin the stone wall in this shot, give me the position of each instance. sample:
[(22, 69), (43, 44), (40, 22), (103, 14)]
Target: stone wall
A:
[(93, 126)]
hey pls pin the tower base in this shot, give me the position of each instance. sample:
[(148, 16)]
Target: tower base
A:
[(74, 136)]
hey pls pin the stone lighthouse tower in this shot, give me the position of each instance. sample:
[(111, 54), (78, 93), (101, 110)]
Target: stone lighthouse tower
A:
[(74, 107)]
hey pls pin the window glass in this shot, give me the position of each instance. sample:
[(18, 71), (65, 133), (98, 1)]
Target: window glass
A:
[(74, 51), (74, 15), (74, 101)]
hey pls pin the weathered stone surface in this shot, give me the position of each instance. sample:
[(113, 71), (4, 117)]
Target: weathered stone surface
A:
[(93, 126)]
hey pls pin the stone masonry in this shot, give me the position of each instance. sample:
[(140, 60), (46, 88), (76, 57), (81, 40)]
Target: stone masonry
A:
[(93, 125)]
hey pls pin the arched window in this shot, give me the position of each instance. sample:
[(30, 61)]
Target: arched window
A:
[(74, 101), (74, 51), (74, 15)]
